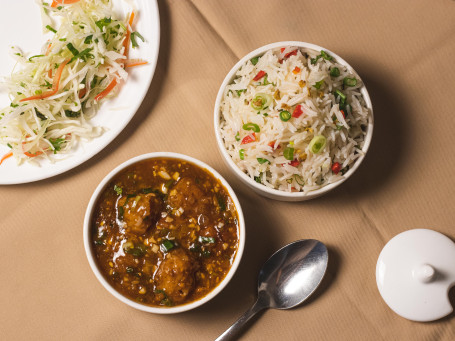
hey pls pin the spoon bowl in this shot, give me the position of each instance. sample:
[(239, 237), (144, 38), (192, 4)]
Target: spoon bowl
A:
[(286, 279)]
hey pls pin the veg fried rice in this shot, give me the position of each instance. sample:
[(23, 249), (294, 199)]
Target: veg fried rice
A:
[(294, 119)]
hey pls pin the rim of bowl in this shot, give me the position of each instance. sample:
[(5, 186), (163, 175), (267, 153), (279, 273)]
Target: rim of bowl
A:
[(271, 192), (90, 254)]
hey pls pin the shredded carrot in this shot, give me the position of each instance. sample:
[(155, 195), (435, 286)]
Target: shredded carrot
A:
[(106, 91), (126, 42), (33, 155), (55, 3), (48, 49), (134, 62), (55, 85), (6, 156), (49, 73), (82, 93)]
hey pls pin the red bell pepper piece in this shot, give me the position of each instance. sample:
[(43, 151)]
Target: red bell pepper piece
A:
[(336, 167), (259, 75), (297, 111), (294, 163), (249, 138)]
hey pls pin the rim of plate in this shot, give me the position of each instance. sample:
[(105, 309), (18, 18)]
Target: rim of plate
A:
[(271, 192), (149, 7), (90, 254)]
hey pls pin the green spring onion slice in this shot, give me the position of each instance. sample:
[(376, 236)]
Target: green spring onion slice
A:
[(285, 116), (262, 160), (334, 72), (260, 101), (242, 154), (251, 126), (349, 81), (317, 144), (288, 153)]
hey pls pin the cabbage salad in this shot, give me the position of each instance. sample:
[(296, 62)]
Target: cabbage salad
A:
[(55, 93)]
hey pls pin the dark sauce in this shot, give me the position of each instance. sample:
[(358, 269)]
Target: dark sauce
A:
[(164, 232)]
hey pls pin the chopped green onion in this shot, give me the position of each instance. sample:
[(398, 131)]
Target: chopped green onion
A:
[(57, 144), (221, 202), (88, 39), (298, 178), (206, 240), (137, 251), (317, 144), (40, 115), (37, 56), (237, 136), (342, 95), (318, 85), (70, 113), (167, 245), (102, 23), (62, 39), (9, 145), (262, 160), (251, 126), (260, 101), (118, 190), (242, 154), (38, 92), (133, 39), (288, 153), (254, 60), (257, 179), (325, 55), (81, 54), (334, 72), (349, 81), (239, 92), (12, 105), (50, 28), (72, 49), (285, 116)]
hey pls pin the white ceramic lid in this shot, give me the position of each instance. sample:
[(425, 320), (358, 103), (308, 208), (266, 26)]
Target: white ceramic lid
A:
[(415, 272)]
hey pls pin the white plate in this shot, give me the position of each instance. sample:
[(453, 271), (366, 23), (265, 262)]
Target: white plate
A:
[(22, 28)]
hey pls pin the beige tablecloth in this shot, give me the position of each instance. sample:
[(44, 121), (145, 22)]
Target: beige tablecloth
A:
[(403, 50)]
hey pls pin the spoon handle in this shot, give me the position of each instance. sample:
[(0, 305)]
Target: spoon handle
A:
[(233, 330)]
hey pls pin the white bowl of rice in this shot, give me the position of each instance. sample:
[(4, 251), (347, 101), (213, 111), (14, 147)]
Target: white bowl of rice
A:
[(293, 120)]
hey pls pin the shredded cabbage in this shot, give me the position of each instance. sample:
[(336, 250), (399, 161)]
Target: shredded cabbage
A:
[(93, 43)]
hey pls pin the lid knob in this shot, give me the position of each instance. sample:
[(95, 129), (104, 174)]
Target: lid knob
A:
[(425, 273)]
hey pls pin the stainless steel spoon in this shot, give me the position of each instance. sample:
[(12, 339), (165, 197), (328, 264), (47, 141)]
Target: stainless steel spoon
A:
[(287, 279)]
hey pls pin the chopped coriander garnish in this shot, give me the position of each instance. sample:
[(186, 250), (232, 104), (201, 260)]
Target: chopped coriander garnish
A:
[(118, 190)]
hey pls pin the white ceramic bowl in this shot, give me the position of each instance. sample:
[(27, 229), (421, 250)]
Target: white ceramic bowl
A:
[(259, 188), (91, 256)]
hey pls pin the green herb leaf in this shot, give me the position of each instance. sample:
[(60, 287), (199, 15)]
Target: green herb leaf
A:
[(254, 60)]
